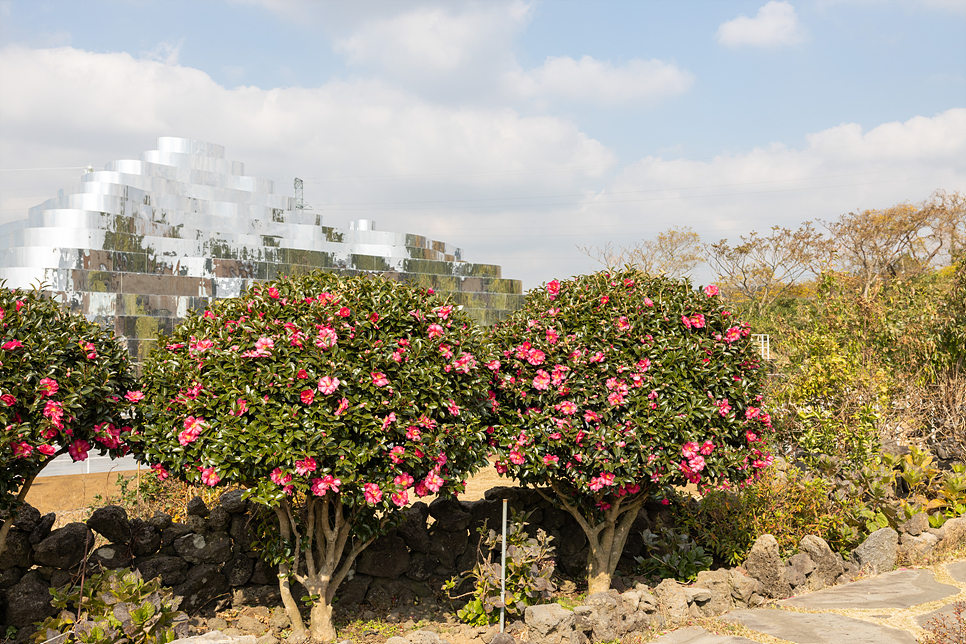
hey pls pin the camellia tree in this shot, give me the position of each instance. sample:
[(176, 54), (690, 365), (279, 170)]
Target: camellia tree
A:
[(616, 387), (66, 387), (332, 400)]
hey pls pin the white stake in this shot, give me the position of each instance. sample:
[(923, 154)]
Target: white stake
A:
[(503, 571)]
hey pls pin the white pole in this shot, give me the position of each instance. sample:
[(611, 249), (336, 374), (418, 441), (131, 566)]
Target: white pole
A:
[(503, 571)]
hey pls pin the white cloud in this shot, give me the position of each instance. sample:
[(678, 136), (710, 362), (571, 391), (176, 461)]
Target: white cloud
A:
[(165, 52), (775, 25), (600, 82)]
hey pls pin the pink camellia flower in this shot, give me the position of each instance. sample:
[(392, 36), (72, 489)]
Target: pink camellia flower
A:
[(134, 396), (707, 447), (210, 477), (305, 466), (751, 436), (47, 450), (54, 411), (435, 331), (697, 321), (536, 357), (161, 472), (388, 420), (280, 478), (273, 292), (595, 484), (400, 498), (11, 345), (343, 405), (48, 386), (542, 380), (443, 311), (553, 288), (324, 484), (550, 459), (421, 489), (192, 429), (690, 449), (345, 312), (686, 321), (413, 433), (78, 450), (372, 492), (242, 407), (307, 396), (604, 299), (90, 349), (22, 449), (328, 384), (616, 399), (591, 417), (696, 463), (597, 357), (567, 408), (327, 338), (516, 458), (403, 481), (434, 482), (452, 407), (623, 323), (396, 454), (711, 290), (552, 336), (379, 379), (493, 365), (8, 400), (264, 344)]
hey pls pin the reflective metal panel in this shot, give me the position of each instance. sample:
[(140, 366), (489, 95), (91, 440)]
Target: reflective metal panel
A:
[(142, 242)]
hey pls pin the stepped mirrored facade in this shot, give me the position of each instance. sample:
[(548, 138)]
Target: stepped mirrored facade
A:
[(139, 244)]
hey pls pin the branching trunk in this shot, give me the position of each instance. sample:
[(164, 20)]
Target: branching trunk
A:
[(327, 532), (606, 539)]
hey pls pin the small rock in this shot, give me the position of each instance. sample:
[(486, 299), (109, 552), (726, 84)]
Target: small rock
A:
[(232, 502), (673, 601), (550, 624), (111, 521), (217, 624), (502, 638), (196, 507), (66, 547), (250, 625), (915, 525), (42, 530), (828, 566), (765, 564), (219, 519), (878, 552)]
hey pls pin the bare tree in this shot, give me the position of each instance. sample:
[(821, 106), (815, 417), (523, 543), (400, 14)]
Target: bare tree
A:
[(762, 269), (675, 252), (900, 241)]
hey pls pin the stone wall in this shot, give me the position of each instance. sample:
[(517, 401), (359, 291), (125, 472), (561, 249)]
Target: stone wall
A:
[(209, 561)]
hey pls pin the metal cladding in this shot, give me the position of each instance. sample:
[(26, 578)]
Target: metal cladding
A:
[(139, 244)]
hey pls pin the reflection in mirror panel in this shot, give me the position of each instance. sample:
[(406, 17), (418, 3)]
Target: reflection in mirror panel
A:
[(140, 243)]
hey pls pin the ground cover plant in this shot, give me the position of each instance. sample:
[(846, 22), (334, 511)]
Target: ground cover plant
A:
[(333, 401), (115, 606), (618, 386), (66, 387)]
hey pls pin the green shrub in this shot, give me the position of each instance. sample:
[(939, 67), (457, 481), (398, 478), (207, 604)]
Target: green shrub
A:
[(671, 555), (787, 507), (115, 607), (529, 568)]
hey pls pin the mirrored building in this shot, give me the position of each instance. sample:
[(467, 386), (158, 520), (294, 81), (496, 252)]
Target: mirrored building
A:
[(138, 244)]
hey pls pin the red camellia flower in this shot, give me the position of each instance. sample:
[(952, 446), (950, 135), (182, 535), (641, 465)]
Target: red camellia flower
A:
[(307, 396)]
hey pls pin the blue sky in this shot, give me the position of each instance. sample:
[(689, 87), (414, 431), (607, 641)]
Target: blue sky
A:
[(515, 130)]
